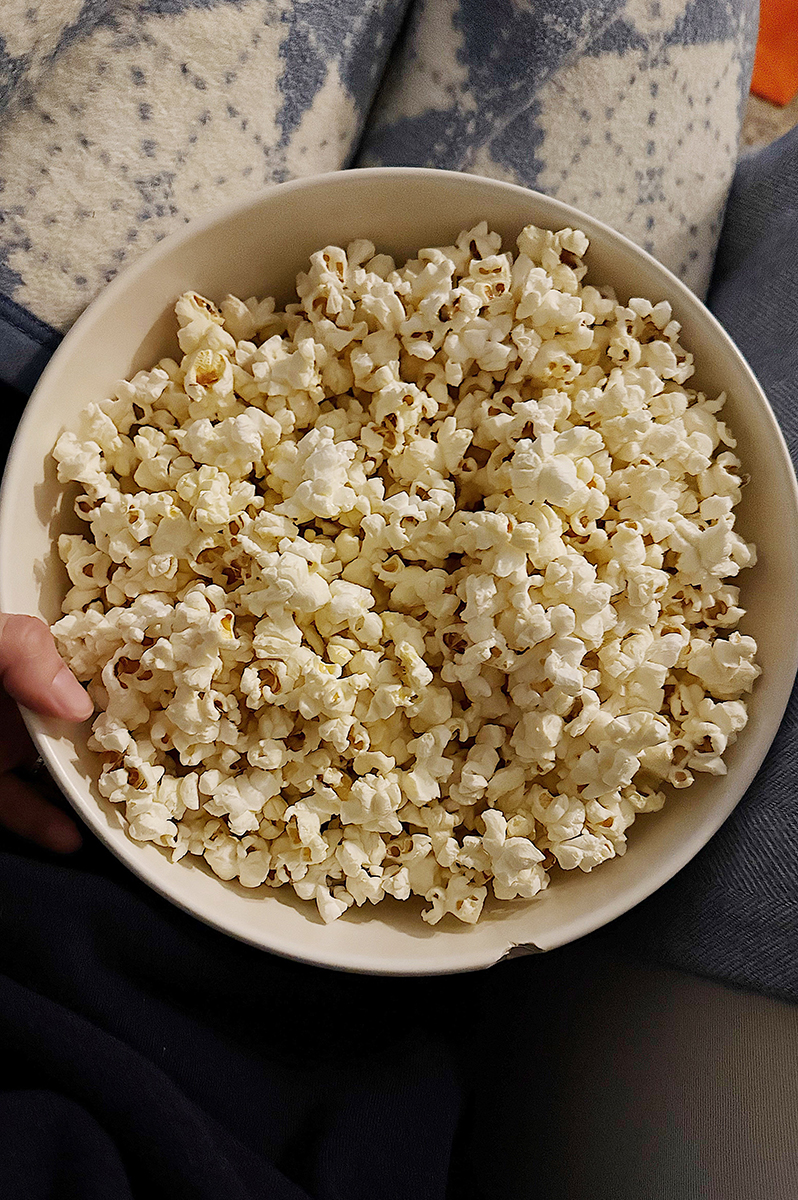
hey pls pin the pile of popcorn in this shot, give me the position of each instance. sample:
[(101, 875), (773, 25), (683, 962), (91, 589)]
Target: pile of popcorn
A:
[(417, 587)]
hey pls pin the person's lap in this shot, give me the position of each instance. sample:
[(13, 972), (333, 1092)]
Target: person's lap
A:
[(618, 1079)]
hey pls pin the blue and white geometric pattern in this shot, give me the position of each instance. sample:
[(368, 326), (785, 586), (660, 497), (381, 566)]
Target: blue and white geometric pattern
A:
[(628, 109), (120, 121)]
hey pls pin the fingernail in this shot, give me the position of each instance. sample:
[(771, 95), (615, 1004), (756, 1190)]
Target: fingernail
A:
[(74, 702), (62, 835)]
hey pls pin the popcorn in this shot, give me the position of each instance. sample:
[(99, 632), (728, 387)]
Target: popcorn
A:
[(420, 587)]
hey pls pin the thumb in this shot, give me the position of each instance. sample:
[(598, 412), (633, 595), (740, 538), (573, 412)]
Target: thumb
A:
[(34, 674)]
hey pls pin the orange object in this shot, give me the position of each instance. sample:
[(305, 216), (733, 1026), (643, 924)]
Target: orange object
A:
[(775, 76)]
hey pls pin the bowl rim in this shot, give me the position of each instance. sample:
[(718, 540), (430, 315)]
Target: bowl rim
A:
[(128, 851)]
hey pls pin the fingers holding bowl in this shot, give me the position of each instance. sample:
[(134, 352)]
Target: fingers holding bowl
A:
[(34, 674)]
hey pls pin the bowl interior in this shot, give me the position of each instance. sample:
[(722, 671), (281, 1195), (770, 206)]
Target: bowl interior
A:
[(257, 248)]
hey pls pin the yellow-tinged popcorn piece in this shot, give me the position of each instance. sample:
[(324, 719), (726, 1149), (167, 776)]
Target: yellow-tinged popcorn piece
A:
[(419, 587)]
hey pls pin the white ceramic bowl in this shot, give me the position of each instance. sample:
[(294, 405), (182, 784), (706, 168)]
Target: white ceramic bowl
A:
[(256, 248)]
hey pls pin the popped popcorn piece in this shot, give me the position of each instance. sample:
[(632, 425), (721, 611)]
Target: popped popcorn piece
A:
[(419, 587)]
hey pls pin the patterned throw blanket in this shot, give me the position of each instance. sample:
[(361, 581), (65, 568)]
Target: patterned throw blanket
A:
[(121, 120)]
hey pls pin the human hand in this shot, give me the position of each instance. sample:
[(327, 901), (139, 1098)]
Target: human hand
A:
[(33, 673)]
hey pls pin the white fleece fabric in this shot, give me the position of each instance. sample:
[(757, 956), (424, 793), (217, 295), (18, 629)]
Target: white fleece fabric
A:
[(121, 121)]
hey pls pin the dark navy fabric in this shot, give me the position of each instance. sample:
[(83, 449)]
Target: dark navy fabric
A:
[(142, 1054), (26, 345)]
